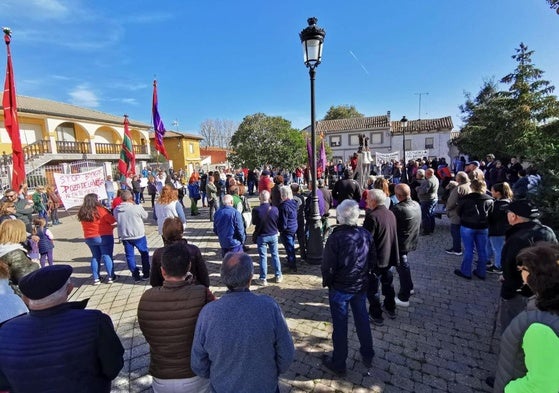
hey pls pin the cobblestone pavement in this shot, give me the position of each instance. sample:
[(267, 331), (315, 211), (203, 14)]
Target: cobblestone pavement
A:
[(443, 342)]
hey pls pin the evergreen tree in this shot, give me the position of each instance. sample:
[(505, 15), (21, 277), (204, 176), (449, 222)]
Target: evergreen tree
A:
[(528, 102), (485, 122)]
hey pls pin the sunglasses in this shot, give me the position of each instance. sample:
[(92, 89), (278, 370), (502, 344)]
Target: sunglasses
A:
[(522, 269)]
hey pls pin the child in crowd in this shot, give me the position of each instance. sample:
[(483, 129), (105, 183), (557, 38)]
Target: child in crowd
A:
[(45, 241)]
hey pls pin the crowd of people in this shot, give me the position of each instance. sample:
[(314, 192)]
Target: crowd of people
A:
[(491, 216)]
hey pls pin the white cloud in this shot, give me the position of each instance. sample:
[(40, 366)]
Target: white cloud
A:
[(35, 9), (83, 96), (131, 101)]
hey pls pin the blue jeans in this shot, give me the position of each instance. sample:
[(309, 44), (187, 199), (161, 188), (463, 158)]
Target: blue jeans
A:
[(137, 197), (102, 251), (265, 242), (110, 197), (494, 249), (456, 239), (142, 246), (339, 310), (288, 241), (427, 216), (383, 278), (471, 237), (406, 283)]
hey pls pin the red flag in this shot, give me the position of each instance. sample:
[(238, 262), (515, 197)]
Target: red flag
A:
[(11, 122), (127, 160), (158, 125)]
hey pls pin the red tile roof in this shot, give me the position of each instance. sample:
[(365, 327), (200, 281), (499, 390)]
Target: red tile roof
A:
[(424, 125), (355, 123)]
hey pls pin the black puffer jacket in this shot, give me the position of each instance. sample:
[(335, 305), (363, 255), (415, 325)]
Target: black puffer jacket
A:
[(348, 254), (474, 210)]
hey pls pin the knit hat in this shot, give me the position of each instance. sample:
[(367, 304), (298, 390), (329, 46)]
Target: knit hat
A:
[(476, 163), (45, 281)]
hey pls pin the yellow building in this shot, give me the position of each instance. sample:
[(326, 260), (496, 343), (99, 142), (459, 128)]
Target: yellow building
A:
[(54, 132), (183, 149)]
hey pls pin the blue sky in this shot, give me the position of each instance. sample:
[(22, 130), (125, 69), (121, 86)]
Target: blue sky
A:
[(227, 59)]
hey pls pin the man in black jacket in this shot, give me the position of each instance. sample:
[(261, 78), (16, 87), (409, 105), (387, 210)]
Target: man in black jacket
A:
[(58, 346), (525, 230), (381, 222), (347, 188), (408, 221), (348, 254)]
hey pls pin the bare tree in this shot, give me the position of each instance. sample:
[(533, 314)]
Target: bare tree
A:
[(217, 132)]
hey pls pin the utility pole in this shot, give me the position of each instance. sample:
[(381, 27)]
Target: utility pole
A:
[(420, 94)]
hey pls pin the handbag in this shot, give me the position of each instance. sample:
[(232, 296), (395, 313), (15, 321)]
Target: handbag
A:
[(256, 232)]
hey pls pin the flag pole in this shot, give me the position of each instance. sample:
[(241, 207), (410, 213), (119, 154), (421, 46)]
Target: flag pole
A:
[(11, 122)]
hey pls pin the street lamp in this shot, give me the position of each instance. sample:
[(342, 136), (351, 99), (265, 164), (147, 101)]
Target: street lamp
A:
[(312, 38), (404, 125)]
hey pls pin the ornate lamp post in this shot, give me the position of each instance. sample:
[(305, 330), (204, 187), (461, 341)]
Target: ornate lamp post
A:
[(404, 125), (312, 38)]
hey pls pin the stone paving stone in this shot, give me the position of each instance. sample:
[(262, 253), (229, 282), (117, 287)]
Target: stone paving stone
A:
[(443, 342)]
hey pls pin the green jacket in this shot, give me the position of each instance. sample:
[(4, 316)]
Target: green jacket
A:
[(17, 261)]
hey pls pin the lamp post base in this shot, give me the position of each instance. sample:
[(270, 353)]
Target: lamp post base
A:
[(314, 244)]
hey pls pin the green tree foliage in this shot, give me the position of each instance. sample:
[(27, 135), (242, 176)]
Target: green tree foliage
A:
[(519, 121), (528, 102), (508, 122), (484, 119), (342, 112), (267, 140)]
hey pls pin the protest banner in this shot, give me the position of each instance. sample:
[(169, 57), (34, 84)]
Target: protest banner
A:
[(386, 157), (74, 186), (415, 154)]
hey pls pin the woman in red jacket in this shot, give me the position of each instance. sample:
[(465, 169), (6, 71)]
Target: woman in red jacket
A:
[(97, 224)]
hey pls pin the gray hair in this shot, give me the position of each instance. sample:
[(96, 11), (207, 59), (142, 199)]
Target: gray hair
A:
[(347, 212), (264, 196), (126, 195), (286, 192), (376, 195), (54, 299), (421, 172), (228, 200), (236, 270)]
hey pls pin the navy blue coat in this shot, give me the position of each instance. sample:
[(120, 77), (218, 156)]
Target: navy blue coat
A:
[(348, 256), (60, 350), (287, 221)]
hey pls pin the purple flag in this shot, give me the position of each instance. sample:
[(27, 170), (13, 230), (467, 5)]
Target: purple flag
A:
[(309, 153), (158, 125), (322, 158)]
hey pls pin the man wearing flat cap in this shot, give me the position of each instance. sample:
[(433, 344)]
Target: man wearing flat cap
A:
[(525, 230), (59, 346)]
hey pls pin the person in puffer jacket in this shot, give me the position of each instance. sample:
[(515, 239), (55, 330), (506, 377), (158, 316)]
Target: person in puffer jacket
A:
[(474, 210), (528, 360)]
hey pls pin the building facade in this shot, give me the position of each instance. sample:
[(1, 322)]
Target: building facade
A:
[(385, 135), (54, 133), (183, 149)]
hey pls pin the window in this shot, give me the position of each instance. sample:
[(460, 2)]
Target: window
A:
[(335, 141), (66, 132), (376, 138), (191, 148), (429, 142), (354, 140)]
